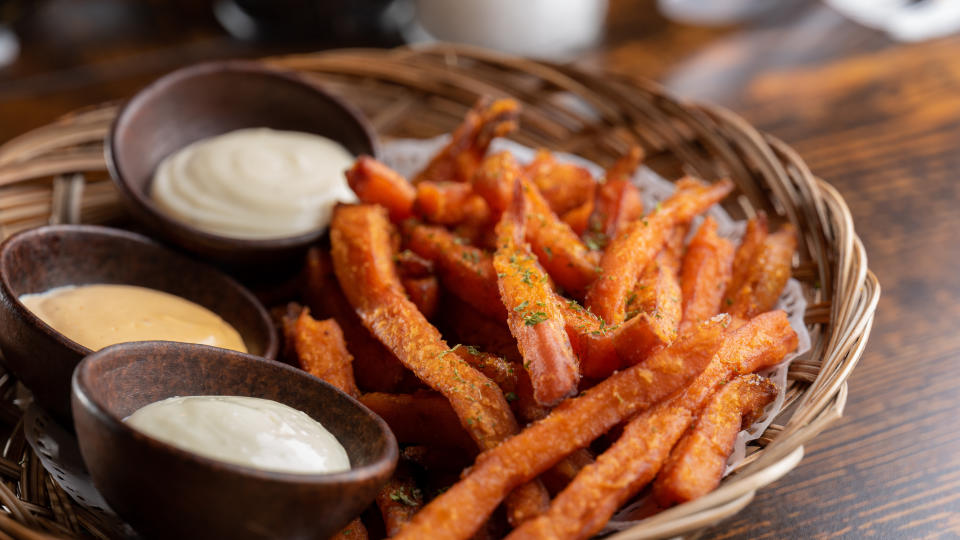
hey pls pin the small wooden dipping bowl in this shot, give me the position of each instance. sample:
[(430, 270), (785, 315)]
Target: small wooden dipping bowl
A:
[(166, 492), (41, 259), (210, 99)]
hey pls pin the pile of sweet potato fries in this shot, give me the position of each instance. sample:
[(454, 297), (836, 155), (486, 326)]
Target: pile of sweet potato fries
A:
[(543, 346)]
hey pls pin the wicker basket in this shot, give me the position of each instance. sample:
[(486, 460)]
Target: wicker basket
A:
[(57, 174)]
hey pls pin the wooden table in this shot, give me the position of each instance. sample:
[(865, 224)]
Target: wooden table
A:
[(879, 120)]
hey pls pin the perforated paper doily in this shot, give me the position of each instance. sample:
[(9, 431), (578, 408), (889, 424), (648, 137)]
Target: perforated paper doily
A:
[(409, 156)]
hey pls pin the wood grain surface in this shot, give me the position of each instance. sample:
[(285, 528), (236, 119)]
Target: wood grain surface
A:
[(879, 120)]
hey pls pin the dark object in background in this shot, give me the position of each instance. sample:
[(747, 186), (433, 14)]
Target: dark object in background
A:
[(339, 22)]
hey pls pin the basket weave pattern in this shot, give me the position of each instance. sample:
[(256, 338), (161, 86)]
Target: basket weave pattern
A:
[(57, 174)]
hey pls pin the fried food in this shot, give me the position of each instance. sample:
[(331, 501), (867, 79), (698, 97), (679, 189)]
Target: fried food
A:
[(423, 417), (767, 275), (354, 530), (462, 509), (362, 251), (564, 185), (640, 241), (707, 269), (750, 245), (696, 465), (399, 499), (617, 201), (424, 292), (465, 270), (375, 368), (587, 503), (450, 203), (534, 313), (322, 352), (458, 160), (375, 183)]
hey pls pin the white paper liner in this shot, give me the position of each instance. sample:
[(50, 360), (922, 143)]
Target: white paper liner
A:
[(409, 156)]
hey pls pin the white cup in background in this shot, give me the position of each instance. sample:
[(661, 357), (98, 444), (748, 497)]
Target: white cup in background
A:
[(537, 28)]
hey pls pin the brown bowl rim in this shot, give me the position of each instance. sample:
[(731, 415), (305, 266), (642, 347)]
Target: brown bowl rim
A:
[(143, 203), (270, 350), (109, 420)]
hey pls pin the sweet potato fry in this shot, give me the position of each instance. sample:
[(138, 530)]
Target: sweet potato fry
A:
[(533, 312), (458, 160), (424, 293), (561, 252), (423, 417), (399, 499), (494, 181), (355, 530), (750, 246), (591, 339), (637, 245), (322, 352), (461, 323), (465, 271), (450, 203), (411, 265), (462, 509), (696, 465), (496, 368), (362, 252), (768, 274), (375, 183), (579, 218), (705, 274), (616, 201), (587, 503), (362, 257), (375, 368), (565, 186)]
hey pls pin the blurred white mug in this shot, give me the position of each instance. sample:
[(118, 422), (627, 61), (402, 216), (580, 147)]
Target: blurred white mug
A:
[(540, 28)]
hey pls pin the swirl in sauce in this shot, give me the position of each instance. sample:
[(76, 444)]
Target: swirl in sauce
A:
[(254, 183)]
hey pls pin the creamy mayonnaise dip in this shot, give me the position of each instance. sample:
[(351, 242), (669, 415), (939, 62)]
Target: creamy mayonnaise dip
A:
[(254, 432), (254, 183), (96, 316)]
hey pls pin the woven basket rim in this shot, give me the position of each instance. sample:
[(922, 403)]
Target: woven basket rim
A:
[(447, 76)]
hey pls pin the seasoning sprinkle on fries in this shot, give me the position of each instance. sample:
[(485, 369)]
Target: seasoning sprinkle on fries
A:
[(486, 290)]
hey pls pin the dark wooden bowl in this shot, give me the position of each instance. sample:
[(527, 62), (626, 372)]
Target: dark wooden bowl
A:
[(40, 259), (166, 492), (209, 99)]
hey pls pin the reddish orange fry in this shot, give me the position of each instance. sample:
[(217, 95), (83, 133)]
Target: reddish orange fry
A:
[(767, 276), (533, 312), (462, 509), (587, 503), (465, 324), (696, 465), (623, 168), (618, 202), (466, 271), (423, 417), (750, 246), (494, 181), (375, 183), (567, 259), (363, 261), (584, 507), (579, 218), (705, 275), (458, 160), (565, 186), (637, 245), (375, 368), (450, 203), (399, 499), (354, 530), (424, 293), (411, 265), (496, 368), (362, 252), (322, 352), (591, 339)]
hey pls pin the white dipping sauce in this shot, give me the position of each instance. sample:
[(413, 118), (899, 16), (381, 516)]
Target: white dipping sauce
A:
[(255, 183), (254, 432)]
